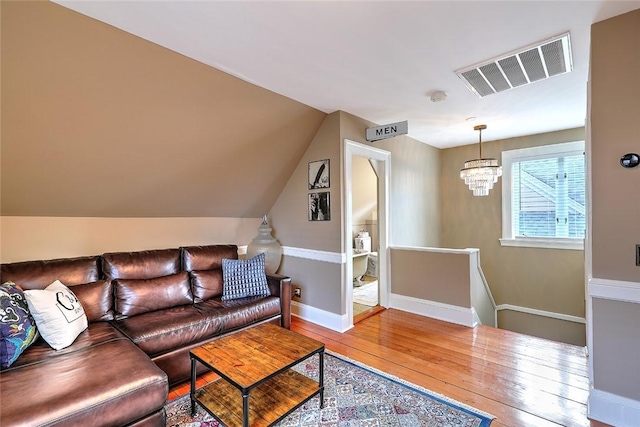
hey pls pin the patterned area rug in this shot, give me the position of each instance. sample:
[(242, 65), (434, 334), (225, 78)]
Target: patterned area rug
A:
[(356, 396)]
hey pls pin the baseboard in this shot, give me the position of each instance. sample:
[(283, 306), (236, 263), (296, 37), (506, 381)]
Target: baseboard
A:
[(613, 409), (449, 313), (320, 317)]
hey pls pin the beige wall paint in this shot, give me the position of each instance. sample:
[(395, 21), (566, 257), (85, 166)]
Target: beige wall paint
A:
[(540, 326), (615, 126), (616, 349), (433, 276), (615, 130), (320, 282), (30, 238), (414, 174), (364, 199), (545, 279), (289, 214), (97, 122), (415, 184)]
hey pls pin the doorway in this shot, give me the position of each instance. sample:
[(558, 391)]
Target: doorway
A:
[(365, 235)]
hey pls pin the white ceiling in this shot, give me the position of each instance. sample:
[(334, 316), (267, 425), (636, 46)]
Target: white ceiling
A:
[(381, 60)]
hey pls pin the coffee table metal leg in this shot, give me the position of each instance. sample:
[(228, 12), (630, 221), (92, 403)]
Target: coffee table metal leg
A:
[(321, 379), (193, 386), (245, 409)]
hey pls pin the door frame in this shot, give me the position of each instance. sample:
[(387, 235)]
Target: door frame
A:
[(381, 163)]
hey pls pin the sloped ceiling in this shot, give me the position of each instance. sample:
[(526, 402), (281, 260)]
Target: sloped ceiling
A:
[(99, 123), (382, 60)]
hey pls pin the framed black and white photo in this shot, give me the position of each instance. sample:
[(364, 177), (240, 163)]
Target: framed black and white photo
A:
[(319, 174), (319, 206)]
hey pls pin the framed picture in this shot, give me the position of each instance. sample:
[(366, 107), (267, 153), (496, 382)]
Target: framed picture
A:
[(319, 174), (319, 206)]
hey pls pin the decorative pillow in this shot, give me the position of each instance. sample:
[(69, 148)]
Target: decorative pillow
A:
[(17, 327), (244, 278), (58, 314)]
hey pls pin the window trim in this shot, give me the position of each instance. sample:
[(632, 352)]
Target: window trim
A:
[(533, 153)]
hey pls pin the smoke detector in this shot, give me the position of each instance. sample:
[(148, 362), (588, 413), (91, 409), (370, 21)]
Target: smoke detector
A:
[(438, 96), (527, 65)]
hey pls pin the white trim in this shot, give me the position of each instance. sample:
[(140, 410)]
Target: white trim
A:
[(545, 242), (438, 250), (381, 163), (614, 289), (320, 317), (476, 318), (324, 256), (536, 312), (612, 409), (437, 310)]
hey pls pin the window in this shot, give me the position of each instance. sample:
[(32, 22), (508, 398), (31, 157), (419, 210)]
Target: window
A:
[(543, 197)]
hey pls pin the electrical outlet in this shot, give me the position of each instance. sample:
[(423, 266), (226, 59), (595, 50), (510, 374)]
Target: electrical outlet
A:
[(638, 255), (297, 292)]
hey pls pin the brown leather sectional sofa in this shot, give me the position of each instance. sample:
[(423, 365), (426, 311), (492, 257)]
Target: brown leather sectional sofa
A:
[(146, 310)]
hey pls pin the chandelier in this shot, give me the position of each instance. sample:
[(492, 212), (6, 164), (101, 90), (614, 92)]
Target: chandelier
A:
[(480, 174)]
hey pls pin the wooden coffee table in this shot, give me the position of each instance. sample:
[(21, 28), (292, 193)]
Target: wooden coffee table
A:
[(257, 385)]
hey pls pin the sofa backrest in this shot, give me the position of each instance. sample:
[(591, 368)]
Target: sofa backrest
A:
[(141, 264), (82, 275), (40, 274), (204, 264)]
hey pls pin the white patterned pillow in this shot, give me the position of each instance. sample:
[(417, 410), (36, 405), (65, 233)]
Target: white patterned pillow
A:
[(244, 278), (59, 315)]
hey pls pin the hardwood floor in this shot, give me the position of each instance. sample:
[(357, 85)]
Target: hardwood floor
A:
[(522, 380)]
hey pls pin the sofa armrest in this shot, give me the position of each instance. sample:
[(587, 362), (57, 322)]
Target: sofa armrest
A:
[(280, 286)]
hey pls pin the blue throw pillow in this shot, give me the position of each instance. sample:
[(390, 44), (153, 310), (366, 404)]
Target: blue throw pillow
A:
[(244, 278), (17, 327)]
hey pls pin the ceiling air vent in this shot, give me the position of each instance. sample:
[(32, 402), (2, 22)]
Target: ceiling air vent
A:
[(530, 64)]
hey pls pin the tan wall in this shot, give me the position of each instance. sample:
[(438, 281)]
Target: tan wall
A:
[(364, 199), (615, 130), (541, 326), (97, 122), (434, 276), (289, 214), (545, 279), (615, 126), (414, 184), (29, 238), (616, 348), (414, 174), (320, 282)]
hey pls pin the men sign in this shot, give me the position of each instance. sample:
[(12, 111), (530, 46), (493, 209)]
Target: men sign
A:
[(387, 131)]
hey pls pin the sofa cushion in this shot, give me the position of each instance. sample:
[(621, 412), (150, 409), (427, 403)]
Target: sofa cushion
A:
[(40, 274), (163, 331), (135, 297), (244, 278), (107, 384), (206, 284), (96, 299), (205, 266), (17, 327), (96, 333), (242, 312), (142, 264), (58, 314)]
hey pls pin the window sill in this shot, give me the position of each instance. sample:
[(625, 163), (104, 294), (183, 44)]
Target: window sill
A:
[(545, 243)]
